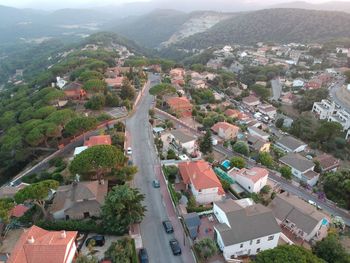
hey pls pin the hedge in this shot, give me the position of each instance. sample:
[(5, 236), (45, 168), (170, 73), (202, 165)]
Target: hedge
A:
[(198, 209), (134, 258)]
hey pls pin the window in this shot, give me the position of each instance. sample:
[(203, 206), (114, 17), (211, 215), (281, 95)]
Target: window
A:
[(258, 241), (251, 242), (258, 250), (270, 238), (249, 251), (241, 246)]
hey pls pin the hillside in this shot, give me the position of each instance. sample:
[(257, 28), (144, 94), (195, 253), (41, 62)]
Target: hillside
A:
[(273, 25), (327, 6)]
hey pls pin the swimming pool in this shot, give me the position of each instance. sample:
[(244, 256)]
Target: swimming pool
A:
[(226, 164), (324, 222)]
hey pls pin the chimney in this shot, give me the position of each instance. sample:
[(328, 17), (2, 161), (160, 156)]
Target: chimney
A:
[(63, 234), (31, 240)]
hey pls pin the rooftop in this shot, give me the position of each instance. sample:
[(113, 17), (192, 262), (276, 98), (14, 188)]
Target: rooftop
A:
[(327, 162), (224, 126), (182, 136), (297, 161), (98, 140), (290, 142), (250, 99), (254, 174)]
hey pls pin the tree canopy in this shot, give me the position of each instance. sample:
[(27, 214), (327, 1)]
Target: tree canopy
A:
[(162, 89), (331, 250), (205, 143), (241, 147)]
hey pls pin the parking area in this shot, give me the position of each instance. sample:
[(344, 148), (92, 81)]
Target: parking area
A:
[(97, 251)]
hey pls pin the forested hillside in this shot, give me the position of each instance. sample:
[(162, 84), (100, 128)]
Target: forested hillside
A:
[(279, 25)]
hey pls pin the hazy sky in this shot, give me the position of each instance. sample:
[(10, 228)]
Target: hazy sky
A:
[(53, 4)]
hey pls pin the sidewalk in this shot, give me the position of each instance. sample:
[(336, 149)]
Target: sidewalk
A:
[(178, 229)]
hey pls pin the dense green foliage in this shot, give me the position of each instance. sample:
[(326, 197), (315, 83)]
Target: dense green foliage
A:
[(337, 187), (287, 254), (206, 143), (206, 248), (306, 102), (6, 204), (241, 147), (331, 250), (238, 162), (122, 251)]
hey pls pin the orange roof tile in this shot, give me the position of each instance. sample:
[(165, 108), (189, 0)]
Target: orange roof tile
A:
[(200, 175), (232, 113), (224, 126), (37, 245), (18, 210), (98, 140)]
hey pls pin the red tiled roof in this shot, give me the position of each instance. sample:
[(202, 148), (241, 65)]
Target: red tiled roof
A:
[(18, 210), (37, 245), (115, 82), (224, 126), (231, 112), (200, 175), (250, 99), (327, 162), (180, 105), (98, 140)]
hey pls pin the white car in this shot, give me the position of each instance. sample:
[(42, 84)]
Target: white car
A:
[(129, 151)]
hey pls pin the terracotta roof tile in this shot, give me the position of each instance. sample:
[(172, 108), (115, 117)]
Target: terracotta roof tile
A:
[(98, 140)]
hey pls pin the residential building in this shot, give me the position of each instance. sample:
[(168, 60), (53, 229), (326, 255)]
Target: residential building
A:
[(288, 98), (74, 91), (251, 101), (298, 216), (314, 84), (225, 130), (198, 84), (324, 109), (252, 180), (202, 181), (37, 245), (328, 163), (181, 106), (192, 222), (302, 168), (290, 144), (257, 144), (98, 140), (79, 200), (298, 83), (342, 117), (254, 131), (182, 140), (232, 113), (244, 230), (115, 83), (267, 109), (60, 82)]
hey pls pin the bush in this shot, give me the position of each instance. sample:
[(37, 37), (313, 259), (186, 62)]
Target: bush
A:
[(57, 161), (170, 172), (173, 194), (199, 209)]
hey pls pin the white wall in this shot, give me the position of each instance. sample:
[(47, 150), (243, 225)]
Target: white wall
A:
[(249, 185), (189, 146), (71, 253), (206, 196), (220, 215)]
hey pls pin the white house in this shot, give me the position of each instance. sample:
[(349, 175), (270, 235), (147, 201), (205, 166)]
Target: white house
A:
[(244, 230), (254, 131), (268, 109), (290, 144), (180, 139), (252, 180), (202, 181), (60, 82), (298, 83), (301, 167), (300, 217), (323, 109), (342, 117)]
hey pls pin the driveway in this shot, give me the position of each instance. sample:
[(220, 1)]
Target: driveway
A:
[(154, 238)]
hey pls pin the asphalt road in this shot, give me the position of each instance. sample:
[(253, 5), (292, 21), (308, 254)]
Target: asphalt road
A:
[(154, 238), (333, 93)]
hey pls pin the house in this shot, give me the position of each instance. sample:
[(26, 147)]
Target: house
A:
[(225, 130), (328, 163), (290, 144), (288, 98), (341, 116), (182, 140), (198, 84), (298, 83), (192, 222), (254, 131), (98, 140), (314, 84), (257, 144), (202, 181), (323, 109), (79, 200), (232, 113), (74, 91), (177, 76), (268, 110), (298, 216), (302, 168), (60, 82), (252, 180), (9, 191), (115, 83), (37, 245), (244, 231), (251, 101), (79, 150), (18, 211), (180, 105)]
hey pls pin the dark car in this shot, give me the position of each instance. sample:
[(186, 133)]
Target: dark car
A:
[(168, 226), (99, 240), (175, 247), (143, 256), (155, 183)]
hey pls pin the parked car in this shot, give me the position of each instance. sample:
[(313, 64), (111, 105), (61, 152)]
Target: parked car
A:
[(168, 226), (175, 247), (129, 151), (143, 256), (155, 183), (99, 240)]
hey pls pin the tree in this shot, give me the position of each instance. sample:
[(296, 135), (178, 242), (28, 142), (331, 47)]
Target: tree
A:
[(331, 250), (61, 117), (121, 251), (206, 143), (206, 248), (171, 155), (162, 90), (6, 204), (86, 259), (122, 208), (97, 102), (287, 254), (241, 147), (328, 130), (337, 187), (127, 91), (279, 123), (238, 162), (317, 167), (265, 159), (286, 172), (95, 86), (79, 125), (98, 159), (36, 193), (266, 189)]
